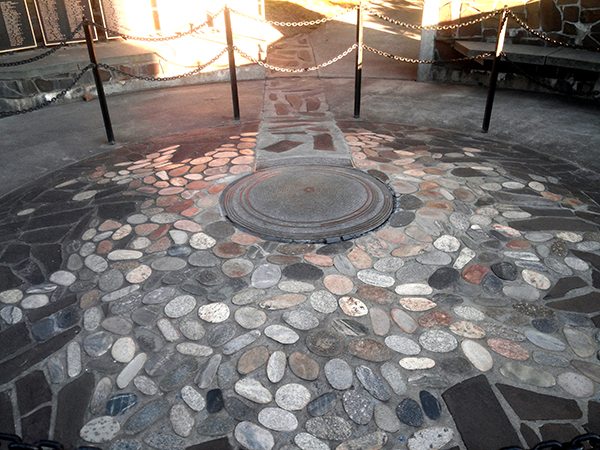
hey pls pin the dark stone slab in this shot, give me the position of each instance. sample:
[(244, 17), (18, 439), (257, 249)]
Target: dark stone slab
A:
[(32, 391), (596, 279), (37, 314), (31, 272), (431, 405), (561, 432), (214, 401), (73, 400), (116, 210), (548, 212), (323, 142), (20, 363), (531, 438), (410, 413), (469, 402), (302, 272), (8, 280), (443, 278), (467, 172), (533, 406), (552, 223), (591, 258), (46, 235), (402, 219), (593, 425), (58, 219), (588, 303), (216, 444), (15, 253), (282, 146), (564, 285), (14, 339), (36, 426), (7, 422)]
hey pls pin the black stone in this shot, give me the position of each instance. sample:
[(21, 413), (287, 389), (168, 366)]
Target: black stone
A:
[(302, 272), (564, 285), (7, 422), (214, 401), (221, 334), (32, 391), (410, 413), (45, 311), (68, 317), (492, 286), (238, 409), (456, 366), (596, 279), (219, 230), (15, 253), (322, 404), (588, 303), (335, 249), (530, 405), (216, 444), (49, 255), (402, 219), (596, 321), (44, 329), (492, 244), (443, 278), (561, 432), (73, 401), (410, 202), (8, 280), (545, 325), (211, 277), (36, 426), (30, 271), (14, 339), (593, 425), (471, 401), (551, 223), (467, 172), (431, 405), (531, 438), (57, 219)]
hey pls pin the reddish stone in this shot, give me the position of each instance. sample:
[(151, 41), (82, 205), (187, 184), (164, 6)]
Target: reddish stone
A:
[(104, 247), (187, 225), (180, 206), (145, 229), (428, 185), (338, 284), (435, 319), (147, 190), (135, 184), (360, 258), (434, 171), (218, 188), (166, 200), (161, 184), (198, 169), (474, 273), (160, 231), (244, 239), (171, 191), (369, 350), (464, 195), (215, 171), (200, 184), (179, 181), (253, 359), (519, 244), (109, 225), (179, 171), (376, 294), (319, 260), (303, 366), (150, 180), (201, 160), (229, 250), (89, 299), (392, 235), (190, 212), (159, 246), (509, 349), (444, 206)]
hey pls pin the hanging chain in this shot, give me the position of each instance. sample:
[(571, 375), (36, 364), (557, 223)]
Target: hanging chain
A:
[(60, 45), (306, 69), (175, 77), (431, 27), (174, 63), (159, 39), (305, 23), (49, 102), (578, 443), (549, 39), (595, 95), (425, 61)]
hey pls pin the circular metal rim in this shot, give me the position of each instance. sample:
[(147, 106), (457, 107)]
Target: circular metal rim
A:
[(382, 207)]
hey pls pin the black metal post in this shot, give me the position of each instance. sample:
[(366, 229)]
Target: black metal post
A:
[(359, 62), (232, 74), (87, 28), (494, 75)]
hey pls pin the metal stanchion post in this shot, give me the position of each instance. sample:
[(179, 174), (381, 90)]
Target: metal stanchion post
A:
[(494, 75), (232, 74), (359, 61), (87, 28)]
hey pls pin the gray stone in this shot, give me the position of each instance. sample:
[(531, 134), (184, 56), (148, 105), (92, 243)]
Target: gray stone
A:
[(209, 372), (160, 295), (203, 258), (332, 428), (301, 320), (339, 374), (430, 438), (375, 278), (550, 359), (266, 276), (97, 344), (181, 420), (277, 419), (111, 280), (146, 416), (323, 302), (413, 272), (292, 397), (434, 258), (249, 317), (253, 437), (372, 383), (281, 334), (145, 385), (402, 345), (393, 375), (253, 390), (163, 441), (385, 418), (240, 342), (276, 366), (358, 407), (191, 329), (180, 306), (343, 265), (322, 404), (545, 341)]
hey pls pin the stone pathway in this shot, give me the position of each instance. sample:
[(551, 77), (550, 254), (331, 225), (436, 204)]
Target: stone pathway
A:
[(134, 316)]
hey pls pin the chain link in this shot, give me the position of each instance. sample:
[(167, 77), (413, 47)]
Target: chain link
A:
[(60, 45), (306, 23), (174, 63), (424, 61), (595, 95), (159, 39), (175, 77), (549, 39), (431, 27), (306, 69), (53, 100), (578, 443)]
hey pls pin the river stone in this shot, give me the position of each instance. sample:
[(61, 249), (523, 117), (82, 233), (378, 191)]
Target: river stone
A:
[(101, 395), (221, 334), (576, 384), (332, 428), (214, 312), (99, 430), (469, 313), (413, 272), (338, 374), (277, 419), (409, 412), (301, 320), (253, 390), (430, 438), (369, 350), (303, 366), (353, 307), (145, 385), (323, 342), (393, 375), (545, 341), (276, 366), (467, 329), (519, 372), (323, 302), (413, 289), (283, 301), (404, 320), (322, 404), (249, 317), (434, 258), (388, 264), (447, 243), (412, 363), (403, 345), (438, 341), (372, 383), (380, 321), (581, 344), (97, 344), (525, 293), (371, 441), (358, 407), (307, 441), (589, 369), (375, 278), (550, 359), (385, 418), (253, 359), (281, 334), (266, 276), (417, 304), (180, 306), (177, 377), (123, 350), (292, 397), (203, 258), (145, 417), (508, 349), (181, 420), (253, 437), (191, 329), (160, 295), (192, 398)]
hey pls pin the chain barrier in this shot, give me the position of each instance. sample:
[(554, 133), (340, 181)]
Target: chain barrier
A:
[(306, 69), (174, 63), (548, 38), (588, 441), (306, 23), (595, 95), (424, 61), (159, 39), (45, 103), (60, 45), (175, 77), (16, 442)]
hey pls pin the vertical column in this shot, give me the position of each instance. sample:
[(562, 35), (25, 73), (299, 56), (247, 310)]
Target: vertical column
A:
[(232, 74), (494, 75), (431, 12), (359, 61)]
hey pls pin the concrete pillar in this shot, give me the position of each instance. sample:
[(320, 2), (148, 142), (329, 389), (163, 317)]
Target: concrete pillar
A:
[(431, 12)]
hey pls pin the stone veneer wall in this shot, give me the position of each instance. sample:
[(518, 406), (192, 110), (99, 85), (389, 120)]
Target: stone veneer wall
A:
[(571, 21)]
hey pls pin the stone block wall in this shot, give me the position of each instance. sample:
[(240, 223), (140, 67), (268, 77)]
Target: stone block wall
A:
[(571, 21)]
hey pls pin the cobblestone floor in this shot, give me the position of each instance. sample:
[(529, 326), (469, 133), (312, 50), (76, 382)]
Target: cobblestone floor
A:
[(134, 315)]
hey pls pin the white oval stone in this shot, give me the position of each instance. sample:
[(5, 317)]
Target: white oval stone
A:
[(477, 355), (193, 349), (308, 442), (214, 312), (417, 304), (277, 419), (413, 289), (374, 278), (11, 296), (412, 363), (101, 429), (63, 278), (292, 397), (467, 329), (403, 345), (253, 390), (202, 241), (569, 236), (35, 301), (180, 306), (430, 438), (181, 420), (139, 274), (469, 313), (438, 341), (131, 370), (253, 437), (124, 255), (536, 279), (123, 350), (193, 398), (447, 243), (576, 384), (353, 307), (276, 366), (281, 334)]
